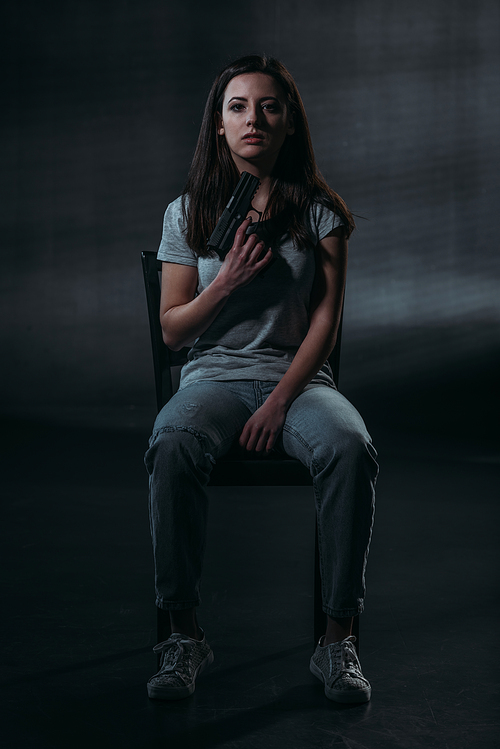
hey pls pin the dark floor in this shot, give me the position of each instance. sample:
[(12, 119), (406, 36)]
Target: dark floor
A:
[(79, 620)]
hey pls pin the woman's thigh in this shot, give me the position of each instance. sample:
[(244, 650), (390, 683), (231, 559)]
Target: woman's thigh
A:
[(207, 409), (321, 421)]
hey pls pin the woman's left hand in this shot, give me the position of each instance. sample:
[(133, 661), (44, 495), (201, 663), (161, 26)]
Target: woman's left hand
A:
[(262, 429)]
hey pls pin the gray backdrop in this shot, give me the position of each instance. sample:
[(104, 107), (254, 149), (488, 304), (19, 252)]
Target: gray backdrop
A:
[(102, 103)]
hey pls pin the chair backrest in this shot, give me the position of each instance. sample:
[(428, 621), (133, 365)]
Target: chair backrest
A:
[(164, 359)]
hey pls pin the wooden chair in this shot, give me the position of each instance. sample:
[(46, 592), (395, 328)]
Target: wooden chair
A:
[(233, 469)]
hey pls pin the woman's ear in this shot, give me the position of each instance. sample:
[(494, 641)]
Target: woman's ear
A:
[(291, 126), (219, 124)]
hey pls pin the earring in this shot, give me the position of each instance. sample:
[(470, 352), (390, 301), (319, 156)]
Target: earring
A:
[(221, 131)]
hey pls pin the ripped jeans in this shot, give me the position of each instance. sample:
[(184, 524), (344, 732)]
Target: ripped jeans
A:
[(322, 430)]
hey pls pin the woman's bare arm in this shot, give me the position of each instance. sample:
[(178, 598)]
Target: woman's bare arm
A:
[(263, 427), (184, 316)]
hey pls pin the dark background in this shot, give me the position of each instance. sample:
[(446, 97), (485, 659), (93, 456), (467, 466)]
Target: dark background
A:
[(102, 103)]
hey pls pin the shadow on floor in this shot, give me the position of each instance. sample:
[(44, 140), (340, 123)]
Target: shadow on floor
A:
[(80, 622)]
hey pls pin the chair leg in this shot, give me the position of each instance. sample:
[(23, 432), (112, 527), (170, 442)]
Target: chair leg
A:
[(355, 632), (163, 630), (319, 614)]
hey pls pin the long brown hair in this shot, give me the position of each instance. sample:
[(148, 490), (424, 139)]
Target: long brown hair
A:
[(296, 184)]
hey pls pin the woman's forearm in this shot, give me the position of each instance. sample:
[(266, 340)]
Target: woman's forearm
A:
[(263, 427), (310, 357), (325, 313), (182, 324)]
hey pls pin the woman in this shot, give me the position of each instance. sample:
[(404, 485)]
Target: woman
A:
[(264, 322)]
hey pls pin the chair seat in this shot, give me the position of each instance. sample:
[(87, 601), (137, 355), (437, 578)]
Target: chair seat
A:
[(242, 468), (235, 471)]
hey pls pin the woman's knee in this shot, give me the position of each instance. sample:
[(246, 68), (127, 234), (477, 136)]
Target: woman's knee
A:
[(354, 441), (175, 447), (356, 451), (355, 438)]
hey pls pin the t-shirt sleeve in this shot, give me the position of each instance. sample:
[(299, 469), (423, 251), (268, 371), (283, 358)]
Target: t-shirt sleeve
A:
[(173, 246), (324, 221)]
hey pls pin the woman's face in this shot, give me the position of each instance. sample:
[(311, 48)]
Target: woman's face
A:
[(254, 120)]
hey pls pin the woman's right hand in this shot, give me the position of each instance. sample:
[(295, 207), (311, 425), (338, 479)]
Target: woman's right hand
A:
[(242, 262), (185, 315)]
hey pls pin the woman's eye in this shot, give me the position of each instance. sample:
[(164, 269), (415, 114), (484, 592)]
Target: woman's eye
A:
[(236, 107), (270, 107)]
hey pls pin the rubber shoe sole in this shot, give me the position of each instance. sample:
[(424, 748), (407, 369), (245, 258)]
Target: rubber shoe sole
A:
[(341, 695)]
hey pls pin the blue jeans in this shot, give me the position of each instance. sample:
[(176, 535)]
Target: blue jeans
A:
[(322, 430)]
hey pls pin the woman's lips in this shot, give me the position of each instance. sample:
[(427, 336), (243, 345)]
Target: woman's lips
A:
[(253, 138)]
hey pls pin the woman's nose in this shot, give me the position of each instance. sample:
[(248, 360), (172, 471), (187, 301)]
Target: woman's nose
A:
[(252, 116)]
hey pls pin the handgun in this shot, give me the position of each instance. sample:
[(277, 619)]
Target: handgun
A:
[(236, 210)]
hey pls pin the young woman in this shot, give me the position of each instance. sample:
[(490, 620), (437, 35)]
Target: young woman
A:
[(263, 322)]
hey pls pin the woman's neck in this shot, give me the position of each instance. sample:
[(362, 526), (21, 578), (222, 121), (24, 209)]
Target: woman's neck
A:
[(262, 170)]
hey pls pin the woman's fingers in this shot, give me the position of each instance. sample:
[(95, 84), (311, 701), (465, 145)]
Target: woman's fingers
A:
[(260, 441), (257, 254), (248, 437), (253, 247), (251, 253), (250, 244), (265, 259), (239, 237), (246, 259), (257, 439), (265, 442)]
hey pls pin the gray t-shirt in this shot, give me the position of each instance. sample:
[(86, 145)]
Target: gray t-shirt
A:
[(257, 333)]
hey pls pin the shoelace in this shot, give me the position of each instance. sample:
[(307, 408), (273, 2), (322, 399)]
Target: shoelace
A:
[(350, 661), (344, 658), (173, 649)]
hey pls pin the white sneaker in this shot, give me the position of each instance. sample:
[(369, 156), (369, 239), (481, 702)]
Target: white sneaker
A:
[(182, 660), (338, 667)]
